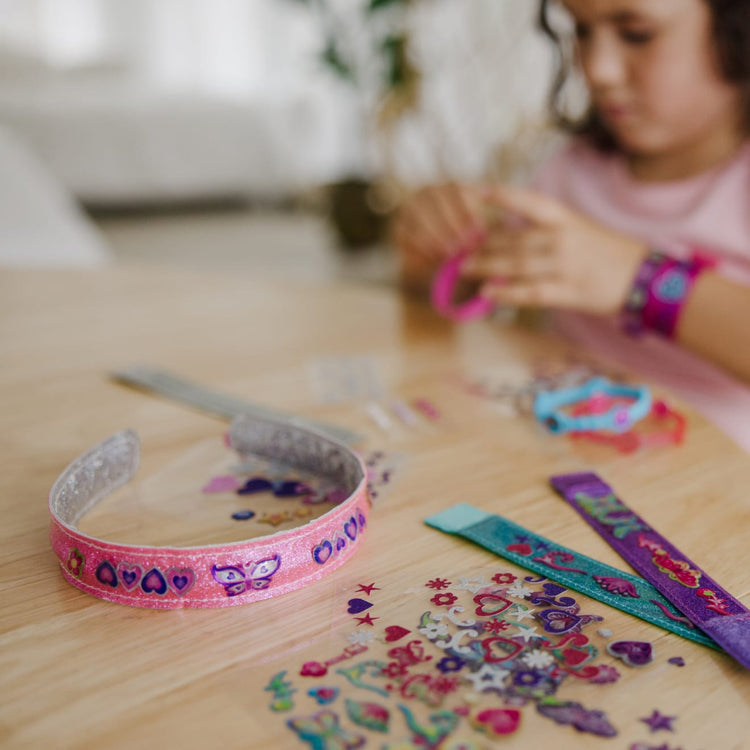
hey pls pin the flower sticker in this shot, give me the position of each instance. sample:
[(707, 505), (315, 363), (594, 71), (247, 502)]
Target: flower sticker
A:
[(75, 563), (501, 578), (444, 600)]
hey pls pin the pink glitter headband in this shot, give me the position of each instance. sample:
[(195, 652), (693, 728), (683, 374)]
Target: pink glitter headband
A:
[(217, 575)]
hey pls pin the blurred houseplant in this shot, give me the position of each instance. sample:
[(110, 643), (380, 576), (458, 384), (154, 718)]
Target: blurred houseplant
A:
[(365, 44)]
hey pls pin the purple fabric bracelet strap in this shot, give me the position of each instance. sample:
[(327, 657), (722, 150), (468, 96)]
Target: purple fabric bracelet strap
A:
[(710, 607), (658, 293)]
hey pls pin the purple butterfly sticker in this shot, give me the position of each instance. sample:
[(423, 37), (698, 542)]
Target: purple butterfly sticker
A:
[(251, 576)]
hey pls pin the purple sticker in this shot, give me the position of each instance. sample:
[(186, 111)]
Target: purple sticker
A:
[(153, 582), (322, 552), (358, 605), (633, 653), (105, 573)]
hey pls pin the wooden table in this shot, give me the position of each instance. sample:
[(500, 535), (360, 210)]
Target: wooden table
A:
[(78, 672)]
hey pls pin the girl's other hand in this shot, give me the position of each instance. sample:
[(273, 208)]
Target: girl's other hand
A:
[(551, 256)]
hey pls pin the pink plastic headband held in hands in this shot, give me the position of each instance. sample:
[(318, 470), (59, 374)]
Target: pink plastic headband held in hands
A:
[(443, 289), (216, 575)]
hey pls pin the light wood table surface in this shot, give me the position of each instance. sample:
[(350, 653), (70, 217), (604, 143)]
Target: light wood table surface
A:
[(77, 672)]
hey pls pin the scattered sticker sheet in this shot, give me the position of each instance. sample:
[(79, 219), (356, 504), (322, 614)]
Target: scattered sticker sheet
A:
[(489, 656)]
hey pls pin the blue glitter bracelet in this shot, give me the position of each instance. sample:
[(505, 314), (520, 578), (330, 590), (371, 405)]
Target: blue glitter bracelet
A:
[(548, 407)]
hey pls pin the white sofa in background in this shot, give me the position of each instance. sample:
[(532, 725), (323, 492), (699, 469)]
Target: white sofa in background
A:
[(41, 224)]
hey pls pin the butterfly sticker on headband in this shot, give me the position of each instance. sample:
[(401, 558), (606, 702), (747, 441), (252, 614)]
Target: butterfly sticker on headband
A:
[(251, 576)]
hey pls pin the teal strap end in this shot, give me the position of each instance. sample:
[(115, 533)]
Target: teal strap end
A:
[(455, 519)]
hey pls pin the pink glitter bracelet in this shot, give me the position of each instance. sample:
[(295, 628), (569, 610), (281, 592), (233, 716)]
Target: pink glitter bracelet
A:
[(215, 575)]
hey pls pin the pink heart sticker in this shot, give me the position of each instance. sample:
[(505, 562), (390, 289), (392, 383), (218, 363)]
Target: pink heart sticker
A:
[(507, 649), (313, 669), (130, 575), (491, 604), (498, 721), (180, 580)]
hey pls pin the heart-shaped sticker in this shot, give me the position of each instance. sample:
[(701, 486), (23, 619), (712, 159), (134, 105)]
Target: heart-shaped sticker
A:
[(105, 573), (322, 552), (313, 669), (180, 580), (498, 721), (339, 543), (521, 549), (395, 632), (491, 604), (350, 528), (153, 582), (358, 605), (130, 575), (633, 653), (506, 649), (559, 621)]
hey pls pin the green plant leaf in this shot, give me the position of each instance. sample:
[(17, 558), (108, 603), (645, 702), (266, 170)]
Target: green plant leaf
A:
[(376, 5), (333, 59), (394, 50)]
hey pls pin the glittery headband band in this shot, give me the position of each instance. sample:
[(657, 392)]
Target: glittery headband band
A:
[(216, 575)]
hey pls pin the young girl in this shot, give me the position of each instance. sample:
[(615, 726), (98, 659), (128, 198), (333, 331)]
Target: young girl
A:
[(661, 162)]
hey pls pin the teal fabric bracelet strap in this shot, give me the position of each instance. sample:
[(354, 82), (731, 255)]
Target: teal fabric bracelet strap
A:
[(624, 591)]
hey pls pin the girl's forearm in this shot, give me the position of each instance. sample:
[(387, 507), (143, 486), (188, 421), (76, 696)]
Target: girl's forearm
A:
[(715, 323)]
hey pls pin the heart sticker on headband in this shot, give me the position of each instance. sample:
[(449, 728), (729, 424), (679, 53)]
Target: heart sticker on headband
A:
[(180, 580), (153, 582), (350, 528), (322, 552), (130, 575), (106, 574)]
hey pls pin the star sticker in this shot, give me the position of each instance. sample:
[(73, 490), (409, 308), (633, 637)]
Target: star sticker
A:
[(487, 678), (368, 619), (471, 584), (368, 589), (659, 721), (526, 633), (523, 614)]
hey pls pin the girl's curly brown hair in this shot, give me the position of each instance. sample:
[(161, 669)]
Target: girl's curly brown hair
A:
[(731, 34)]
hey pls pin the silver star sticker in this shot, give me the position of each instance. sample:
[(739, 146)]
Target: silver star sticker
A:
[(523, 614), (487, 678), (526, 633), (471, 584)]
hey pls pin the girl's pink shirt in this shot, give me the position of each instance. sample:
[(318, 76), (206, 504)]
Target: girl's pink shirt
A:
[(708, 213)]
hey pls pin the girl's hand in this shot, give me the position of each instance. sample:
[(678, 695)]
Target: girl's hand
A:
[(551, 256), (437, 222)]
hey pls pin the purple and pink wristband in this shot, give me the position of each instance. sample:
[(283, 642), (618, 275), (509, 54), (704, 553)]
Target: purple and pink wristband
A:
[(659, 291)]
